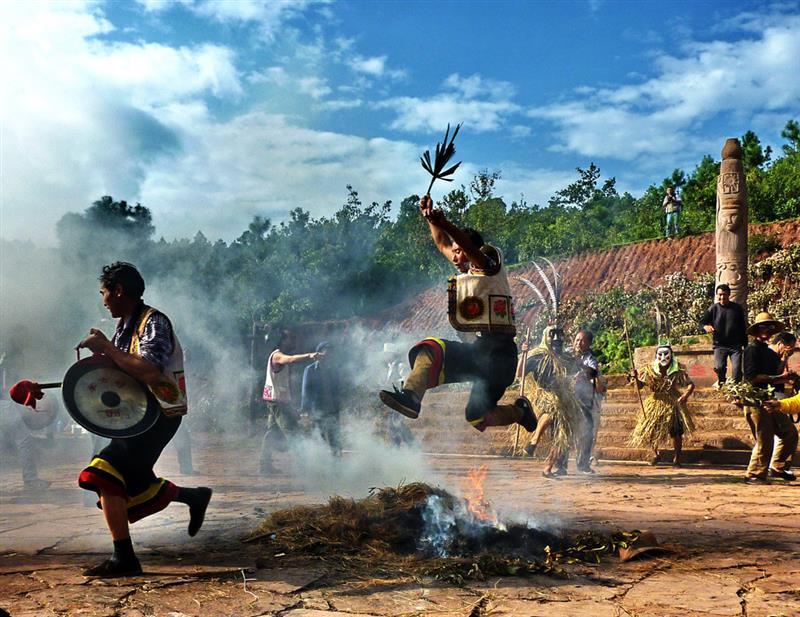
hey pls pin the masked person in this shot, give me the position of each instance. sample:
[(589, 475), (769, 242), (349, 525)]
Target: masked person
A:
[(145, 347), (666, 413), (279, 395), (479, 301), (549, 388)]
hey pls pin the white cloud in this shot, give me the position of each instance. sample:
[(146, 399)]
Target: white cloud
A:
[(263, 164), (662, 114), (537, 185), (82, 119), (481, 104), (315, 87), (88, 117), (476, 86), (338, 104), (371, 66), (374, 66)]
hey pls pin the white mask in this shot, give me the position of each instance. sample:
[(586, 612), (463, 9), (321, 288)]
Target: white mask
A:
[(664, 357)]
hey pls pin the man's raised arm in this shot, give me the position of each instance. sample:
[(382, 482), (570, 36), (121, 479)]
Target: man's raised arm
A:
[(444, 234)]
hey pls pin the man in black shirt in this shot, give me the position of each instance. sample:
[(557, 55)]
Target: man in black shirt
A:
[(725, 320), (764, 367)]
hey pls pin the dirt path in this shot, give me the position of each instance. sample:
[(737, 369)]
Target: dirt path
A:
[(739, 549)]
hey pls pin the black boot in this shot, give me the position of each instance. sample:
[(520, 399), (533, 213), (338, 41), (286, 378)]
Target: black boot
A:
[(122, 563), (197, 499)]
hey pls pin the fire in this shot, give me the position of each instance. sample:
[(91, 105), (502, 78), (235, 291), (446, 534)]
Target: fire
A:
[(475, 497)]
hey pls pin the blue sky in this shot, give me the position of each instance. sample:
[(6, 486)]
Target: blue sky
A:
[(210, 112)]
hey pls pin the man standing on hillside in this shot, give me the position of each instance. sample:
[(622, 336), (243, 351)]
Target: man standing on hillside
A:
[(672, 208), (479, 301), (726, 322)]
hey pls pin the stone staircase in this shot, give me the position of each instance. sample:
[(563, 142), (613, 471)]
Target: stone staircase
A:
[(721, 435)]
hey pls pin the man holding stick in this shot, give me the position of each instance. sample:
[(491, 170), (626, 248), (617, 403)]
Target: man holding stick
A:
[(479, 301)]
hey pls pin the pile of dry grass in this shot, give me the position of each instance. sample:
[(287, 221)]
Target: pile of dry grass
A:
[(379, 538), (388, 520)]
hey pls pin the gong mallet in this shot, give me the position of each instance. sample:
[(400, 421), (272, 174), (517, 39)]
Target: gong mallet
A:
[(27, 392), (521, 386)]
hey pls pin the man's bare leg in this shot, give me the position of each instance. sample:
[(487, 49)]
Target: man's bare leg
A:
[(123, 562)]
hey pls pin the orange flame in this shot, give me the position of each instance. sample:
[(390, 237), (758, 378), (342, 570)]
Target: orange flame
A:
[(475, 497)]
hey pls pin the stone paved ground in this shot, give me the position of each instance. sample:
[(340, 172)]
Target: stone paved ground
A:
[(738, 549)]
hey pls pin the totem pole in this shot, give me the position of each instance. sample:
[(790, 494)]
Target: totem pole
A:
[(732, 222)]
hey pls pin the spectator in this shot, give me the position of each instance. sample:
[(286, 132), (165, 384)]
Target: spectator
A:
[(590, 385), (672, 208), (321, 397), (725, 321), (282, 416)]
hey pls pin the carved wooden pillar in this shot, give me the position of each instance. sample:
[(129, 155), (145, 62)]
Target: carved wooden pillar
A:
[(732, 222)]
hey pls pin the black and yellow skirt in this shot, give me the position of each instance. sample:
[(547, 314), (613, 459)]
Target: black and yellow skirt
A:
[(124, 468)]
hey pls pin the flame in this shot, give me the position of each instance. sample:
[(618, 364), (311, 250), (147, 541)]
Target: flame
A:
[(475, 497)]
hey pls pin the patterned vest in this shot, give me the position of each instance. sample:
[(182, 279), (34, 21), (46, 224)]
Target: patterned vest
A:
[(171, 389)]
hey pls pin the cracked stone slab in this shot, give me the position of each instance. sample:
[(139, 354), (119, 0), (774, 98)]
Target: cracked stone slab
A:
[(503, 607), (283, 580), (311, 612), (685, 593)]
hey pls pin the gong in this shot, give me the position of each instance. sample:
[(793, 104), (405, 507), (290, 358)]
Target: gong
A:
[(107, 401)]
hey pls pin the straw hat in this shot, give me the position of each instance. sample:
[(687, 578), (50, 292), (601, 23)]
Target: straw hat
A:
[(645, 543), (765, 319)]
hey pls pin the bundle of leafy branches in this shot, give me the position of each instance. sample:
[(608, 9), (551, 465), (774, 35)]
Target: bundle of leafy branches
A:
[(379, 537), (745, 393)]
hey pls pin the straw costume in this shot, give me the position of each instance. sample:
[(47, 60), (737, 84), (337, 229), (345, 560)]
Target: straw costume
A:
[(549, 388), (665, 415)]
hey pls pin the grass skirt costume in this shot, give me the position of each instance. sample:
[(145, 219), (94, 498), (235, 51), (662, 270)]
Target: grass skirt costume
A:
[(663, 417)]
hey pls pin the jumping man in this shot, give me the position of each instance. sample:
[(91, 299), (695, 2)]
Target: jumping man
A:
[(479, 301)]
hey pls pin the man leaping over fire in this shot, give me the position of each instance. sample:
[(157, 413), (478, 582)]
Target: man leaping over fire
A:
[(479, 301)]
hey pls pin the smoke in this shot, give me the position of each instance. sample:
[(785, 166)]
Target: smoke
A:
[(368, 462)]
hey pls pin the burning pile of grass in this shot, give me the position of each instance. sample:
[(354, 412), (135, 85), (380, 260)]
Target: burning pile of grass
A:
[(390, 534)]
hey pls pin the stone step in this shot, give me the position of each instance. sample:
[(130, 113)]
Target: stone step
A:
[(629, 394), (690, 456), (727, 440), (702, 423), (704, 409)]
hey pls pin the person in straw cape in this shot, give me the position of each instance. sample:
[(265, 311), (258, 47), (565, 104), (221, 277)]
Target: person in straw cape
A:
[(665, 413), (551, 391)]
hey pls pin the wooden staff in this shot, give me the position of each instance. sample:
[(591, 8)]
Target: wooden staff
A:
[(633, 366), (521, 387)]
